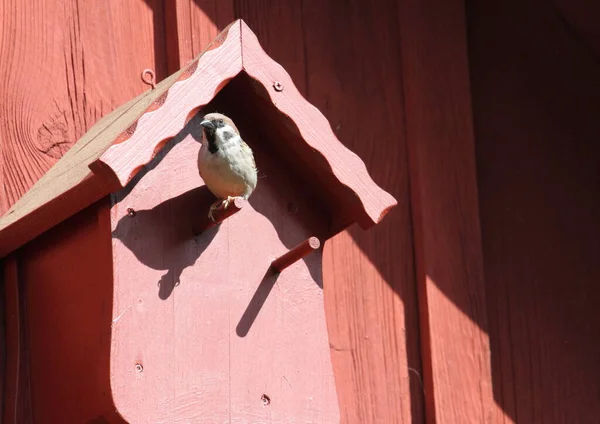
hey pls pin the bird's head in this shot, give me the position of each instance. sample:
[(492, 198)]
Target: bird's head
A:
[(218, 127)]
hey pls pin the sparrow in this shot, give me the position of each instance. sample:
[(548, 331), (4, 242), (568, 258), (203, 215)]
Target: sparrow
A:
[(225, 162)]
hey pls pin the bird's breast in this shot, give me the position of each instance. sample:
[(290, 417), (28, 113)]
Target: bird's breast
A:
[(226, 172)]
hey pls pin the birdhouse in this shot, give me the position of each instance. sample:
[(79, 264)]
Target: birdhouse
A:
[(133, 305)]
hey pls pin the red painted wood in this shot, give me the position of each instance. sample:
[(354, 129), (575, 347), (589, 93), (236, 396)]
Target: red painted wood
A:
[(439, 135), (292, 256), (70, 185), (67, 276), (202, 327), (16, 400), (191, 26), (368, 203), (329, 48), (536, 107), (201, 81), (55, 82), (15, 234), (336, 168)]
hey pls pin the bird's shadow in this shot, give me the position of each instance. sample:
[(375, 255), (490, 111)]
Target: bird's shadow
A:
[(169, 235)]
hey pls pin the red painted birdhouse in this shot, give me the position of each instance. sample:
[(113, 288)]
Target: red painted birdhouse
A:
[(136, 306)]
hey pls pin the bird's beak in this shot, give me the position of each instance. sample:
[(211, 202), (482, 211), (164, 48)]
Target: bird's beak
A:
[(207, 124)]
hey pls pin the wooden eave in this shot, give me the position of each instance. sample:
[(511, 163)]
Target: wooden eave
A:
[(118, 146)]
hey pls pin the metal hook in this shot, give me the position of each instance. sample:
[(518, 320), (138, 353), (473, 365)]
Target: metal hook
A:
[(152, 81)]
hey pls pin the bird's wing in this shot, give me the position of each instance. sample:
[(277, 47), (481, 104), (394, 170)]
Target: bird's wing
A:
[(247, 150)]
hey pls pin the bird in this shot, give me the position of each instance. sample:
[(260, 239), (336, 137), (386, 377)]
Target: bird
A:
[(225, 162)]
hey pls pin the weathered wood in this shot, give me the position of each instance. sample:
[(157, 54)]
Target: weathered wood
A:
[(439, 134), (536, 104), (70, 186), (209, 328), (69, 318), (65, 65)]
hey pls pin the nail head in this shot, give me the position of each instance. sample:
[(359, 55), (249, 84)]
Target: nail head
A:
[(266, 400)]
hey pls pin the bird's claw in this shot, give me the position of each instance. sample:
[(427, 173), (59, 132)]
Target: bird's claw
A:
[(212, 209), (225, 203)]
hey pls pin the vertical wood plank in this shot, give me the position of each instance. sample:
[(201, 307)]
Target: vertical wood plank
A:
[(536, 104), (370, 298), (353, 70), (67, 275), (191, 25), (440, 141), (16, 400), (64, 65), (280, 35)]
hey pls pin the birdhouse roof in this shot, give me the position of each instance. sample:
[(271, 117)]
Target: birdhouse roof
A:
[(118, 146)]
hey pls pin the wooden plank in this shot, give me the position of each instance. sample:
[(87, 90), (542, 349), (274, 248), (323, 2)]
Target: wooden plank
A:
[(211, 330), (370, 298), (16, 400), (536, 107), (191, 25), (439, 134), (62, 50), (67, 274)]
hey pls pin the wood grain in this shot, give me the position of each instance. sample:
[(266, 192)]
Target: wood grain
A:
[(55, 80), (536, 107), (191, 26), (210, 326), (369, 285), (70, 185), (439, 134)]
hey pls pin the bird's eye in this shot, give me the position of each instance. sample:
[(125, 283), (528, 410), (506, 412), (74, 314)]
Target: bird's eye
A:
[(220, 121)]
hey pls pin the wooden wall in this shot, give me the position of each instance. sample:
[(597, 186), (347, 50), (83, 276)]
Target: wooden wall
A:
[(536, 99), (392, 78)]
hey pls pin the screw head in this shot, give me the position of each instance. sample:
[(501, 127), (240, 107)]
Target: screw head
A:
[(266, 400), (278, 86), (139, 367)]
